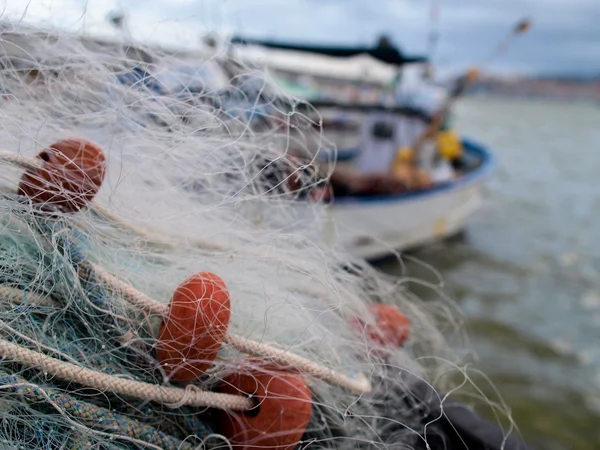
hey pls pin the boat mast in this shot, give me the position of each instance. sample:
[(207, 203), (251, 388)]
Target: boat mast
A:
[(433, 38)]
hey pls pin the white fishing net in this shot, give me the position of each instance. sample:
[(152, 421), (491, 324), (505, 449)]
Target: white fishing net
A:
[(202, 175)]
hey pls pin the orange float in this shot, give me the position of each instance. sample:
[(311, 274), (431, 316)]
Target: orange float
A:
[(283, 411), (71, 175), (192, 333), (391, 328)]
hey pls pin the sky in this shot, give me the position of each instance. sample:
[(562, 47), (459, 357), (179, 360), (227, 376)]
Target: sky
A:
[(564, 39)]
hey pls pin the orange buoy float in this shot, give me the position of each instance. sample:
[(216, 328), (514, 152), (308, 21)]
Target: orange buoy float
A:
[(280, 418), (192, 333), (391, 328), (71, 175)]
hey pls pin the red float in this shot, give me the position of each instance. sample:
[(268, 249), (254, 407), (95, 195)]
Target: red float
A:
[(283, 411), (391, 328), (192, 333), (71, 175)]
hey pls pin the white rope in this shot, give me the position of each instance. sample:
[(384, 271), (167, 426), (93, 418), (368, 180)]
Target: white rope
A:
[(129, 293), (359, 385), (20, 161), (136, 298), (168, 396)]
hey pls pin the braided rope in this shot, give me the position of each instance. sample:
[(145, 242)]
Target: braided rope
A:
[(20, 161), (95, 285), (359, 385), (73, 249), (21, 297), (129, 293), (117, 426), (243, 345), (137, 389), (97, 417), (168, 396)]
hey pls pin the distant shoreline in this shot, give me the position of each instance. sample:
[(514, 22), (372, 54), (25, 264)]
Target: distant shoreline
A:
[(559, 89), (534, 98)]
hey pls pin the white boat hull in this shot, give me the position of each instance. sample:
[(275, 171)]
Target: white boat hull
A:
[(371, 230)]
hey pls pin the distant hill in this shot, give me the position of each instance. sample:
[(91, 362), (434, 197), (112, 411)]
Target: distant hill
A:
[(552, 86), (569, 77)]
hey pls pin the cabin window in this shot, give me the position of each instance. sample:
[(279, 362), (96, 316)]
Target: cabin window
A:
[(383, 130)]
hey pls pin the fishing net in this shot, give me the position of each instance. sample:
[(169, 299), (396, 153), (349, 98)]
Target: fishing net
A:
[(206, 170)]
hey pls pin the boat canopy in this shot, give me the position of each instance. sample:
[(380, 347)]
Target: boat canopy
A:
[(386, 54)]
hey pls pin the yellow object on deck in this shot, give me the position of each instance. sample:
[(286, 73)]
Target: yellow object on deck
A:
[(405, 154), (404, 157), (449, 145), (405, 170)]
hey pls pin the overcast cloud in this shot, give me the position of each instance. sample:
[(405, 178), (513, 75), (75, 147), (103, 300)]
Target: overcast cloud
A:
[(565, 36)]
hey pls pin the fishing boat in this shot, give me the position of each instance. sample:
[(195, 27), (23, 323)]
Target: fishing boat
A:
[(373, 226)]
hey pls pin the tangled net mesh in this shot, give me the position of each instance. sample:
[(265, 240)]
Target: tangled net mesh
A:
[(200, 177)]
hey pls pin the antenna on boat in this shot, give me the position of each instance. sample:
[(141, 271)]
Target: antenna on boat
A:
[(522, 27), (462, 83), (433, 37)]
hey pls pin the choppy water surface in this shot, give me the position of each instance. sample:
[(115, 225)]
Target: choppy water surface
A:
[(527, 274)]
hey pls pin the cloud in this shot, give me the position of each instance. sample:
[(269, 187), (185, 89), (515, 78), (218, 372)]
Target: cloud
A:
[(565, 34), (146, 24), (68, 13)]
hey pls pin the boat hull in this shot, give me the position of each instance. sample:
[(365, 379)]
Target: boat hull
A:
[(373, 227), (371, 231)]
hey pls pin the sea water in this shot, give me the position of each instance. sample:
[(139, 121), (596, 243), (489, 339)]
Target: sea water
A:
[(527, 272)]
